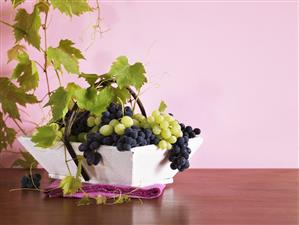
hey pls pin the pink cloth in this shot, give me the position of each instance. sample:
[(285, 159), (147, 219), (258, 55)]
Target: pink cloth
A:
[(109, 191)]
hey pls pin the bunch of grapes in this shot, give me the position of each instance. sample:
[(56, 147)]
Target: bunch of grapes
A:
[(163, 125), (179, 153)]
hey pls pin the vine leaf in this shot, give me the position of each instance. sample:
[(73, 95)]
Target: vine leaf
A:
[(92, 100), (162, 106), (59, 102), (11, 95), (43, 6), (122, 199), (71, 7), (70, 185), (46, 136), (7, 134), (123, 94), (126, 74), (90, 78), (26, 72), (15, 51), (26, 163), (65, 54), (27, 27), (15, 3)]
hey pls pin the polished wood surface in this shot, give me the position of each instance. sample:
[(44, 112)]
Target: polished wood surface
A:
[(203, 196)]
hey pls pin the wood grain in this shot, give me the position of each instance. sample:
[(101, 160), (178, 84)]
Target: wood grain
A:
[(204, 196)]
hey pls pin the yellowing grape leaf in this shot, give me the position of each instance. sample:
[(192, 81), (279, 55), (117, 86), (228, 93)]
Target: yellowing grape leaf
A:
[(15, 51), (7, 134), (46, 136), (11, 95), (101, 200), (70, 185), (15, 3), (65, 54), (59, 102), (26, 72), (126, 74), (27, 27), (84, 201), (71, 7)]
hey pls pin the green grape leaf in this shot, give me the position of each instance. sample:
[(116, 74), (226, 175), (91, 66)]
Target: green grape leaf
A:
[(27, 27), (162, 106), (123, 94), (27, 162), (93, 100), (71, 7), (59, 102), (90, 78), (70, 185), (26, 72), (43, 6), (11, 95), (101, 200), (65, 54), (84, 201), (15, 51), (7, 134), (126, 74), (46, 136), (15, 3)]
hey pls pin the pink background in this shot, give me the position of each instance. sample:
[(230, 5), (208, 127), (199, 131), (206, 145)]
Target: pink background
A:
[(229, 68)]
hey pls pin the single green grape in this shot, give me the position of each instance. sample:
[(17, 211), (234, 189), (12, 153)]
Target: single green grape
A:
[(156, 130), (168, 118), (172, 140), (151, 120), (91, 121), (139, 117), (114, 122), (127, 121), (176, 132), (169, 146), (159, 119), (59, 134), (119, 129), (156, 113), (82, 137), (95, 129), (164, 124), (162, 144), (97, 121), (166, 134), (136, 123), (106, 130)]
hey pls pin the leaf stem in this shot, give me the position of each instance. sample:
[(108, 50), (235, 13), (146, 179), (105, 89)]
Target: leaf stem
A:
[(18, 125), (45, 53)]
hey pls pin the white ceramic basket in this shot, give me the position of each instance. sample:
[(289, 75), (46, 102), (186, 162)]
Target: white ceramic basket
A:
[(142, 166)]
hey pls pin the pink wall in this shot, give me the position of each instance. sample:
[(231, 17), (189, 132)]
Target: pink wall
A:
[(228, 68)]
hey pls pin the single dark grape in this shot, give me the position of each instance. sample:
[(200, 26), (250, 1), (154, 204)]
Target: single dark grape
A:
[(94, 145), (197, 131), (97, 158), (83, 147), (173, 166)]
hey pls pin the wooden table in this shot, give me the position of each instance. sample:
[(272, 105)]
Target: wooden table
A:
[(204, 196)]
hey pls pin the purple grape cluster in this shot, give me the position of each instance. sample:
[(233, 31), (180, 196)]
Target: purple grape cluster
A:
[(134, 137), (179, 154)]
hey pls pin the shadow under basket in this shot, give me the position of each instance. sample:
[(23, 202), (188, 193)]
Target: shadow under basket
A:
[(142, 166)]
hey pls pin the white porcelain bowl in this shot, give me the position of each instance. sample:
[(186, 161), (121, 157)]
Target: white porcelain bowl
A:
[(142, 166)]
